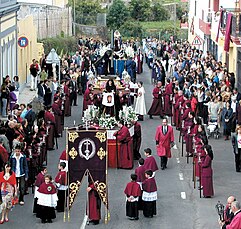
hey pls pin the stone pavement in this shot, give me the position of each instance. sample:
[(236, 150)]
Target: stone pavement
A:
[(26, 96)]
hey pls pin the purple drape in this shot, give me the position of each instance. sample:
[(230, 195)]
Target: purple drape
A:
[(228, 32), (219, 24)]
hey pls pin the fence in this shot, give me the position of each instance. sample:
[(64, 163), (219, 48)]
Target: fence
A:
[(50, 21)]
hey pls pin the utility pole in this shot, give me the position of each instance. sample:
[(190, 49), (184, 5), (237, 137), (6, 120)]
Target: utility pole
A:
[(175, 18), (74, 20)]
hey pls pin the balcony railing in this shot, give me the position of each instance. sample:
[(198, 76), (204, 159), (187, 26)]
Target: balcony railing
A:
[(236, 21)]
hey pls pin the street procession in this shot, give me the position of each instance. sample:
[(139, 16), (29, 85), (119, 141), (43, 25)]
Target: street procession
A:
[(132, 132)]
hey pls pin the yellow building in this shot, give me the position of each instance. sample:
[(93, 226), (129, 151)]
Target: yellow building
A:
[(33, 50), (8, 38)]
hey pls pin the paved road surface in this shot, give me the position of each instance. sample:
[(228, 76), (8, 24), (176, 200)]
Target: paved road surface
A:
[(178, 205)]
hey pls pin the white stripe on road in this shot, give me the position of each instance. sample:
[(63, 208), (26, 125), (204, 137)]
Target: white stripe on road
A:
[(178, 160), (84, 222), (183, 195), (181, 176)]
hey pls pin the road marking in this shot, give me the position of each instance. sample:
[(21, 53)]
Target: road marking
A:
[(84, 222), (181, 176), (178, 160), (183, 195)]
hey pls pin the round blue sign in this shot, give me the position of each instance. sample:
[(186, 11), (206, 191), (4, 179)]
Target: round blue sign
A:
[(23, 42)]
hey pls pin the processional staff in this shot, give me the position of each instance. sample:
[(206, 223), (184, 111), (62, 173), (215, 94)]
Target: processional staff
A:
[(194, 162), (200, 174), (188, 133), (181, 135)]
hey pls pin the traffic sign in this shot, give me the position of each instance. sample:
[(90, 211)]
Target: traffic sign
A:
[(23, 42), (197, 41)]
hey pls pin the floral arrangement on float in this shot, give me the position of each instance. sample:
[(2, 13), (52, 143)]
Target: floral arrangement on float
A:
[(91, 114), (128, 115), (126, 77), (107, 122)]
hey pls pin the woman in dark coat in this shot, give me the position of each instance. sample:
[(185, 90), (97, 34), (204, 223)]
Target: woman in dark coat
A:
[(227, 114), (207, 173), (238, 113)]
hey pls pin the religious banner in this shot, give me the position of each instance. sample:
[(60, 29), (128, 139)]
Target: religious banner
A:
[(87, 155)]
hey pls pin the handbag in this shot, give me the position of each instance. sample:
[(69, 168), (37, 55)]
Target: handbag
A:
[(15, 201)]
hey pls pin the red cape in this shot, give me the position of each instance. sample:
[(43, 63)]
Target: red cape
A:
[(150, 164), (140, 172), (149, 185), (39, 179), (63, 156), (47, 188), (4, 154), (133, 189)]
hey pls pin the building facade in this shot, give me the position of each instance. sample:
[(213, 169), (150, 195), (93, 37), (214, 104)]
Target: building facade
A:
[(208, 20), (33, 50), (8, 38), (38, 19)]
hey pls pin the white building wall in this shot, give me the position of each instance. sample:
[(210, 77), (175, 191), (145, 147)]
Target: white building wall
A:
[(227, 3), (44, 2)]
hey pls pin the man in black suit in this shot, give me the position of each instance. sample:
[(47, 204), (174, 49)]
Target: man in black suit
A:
[(41, 92), (30, 116), (228, 214), (73, 88)]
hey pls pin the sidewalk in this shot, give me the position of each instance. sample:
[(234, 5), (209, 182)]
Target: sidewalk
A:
[(26, 96)]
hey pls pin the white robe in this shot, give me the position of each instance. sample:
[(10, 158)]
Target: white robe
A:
[(140, 107)]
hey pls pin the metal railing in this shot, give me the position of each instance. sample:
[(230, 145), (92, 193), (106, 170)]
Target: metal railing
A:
[(236, 21)]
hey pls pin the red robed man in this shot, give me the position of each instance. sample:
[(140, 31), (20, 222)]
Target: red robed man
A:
[(188, 132), (57, 114), (94, 210), (126, 152), (164, 138), (175, 111), (87, 96), (186, 111), (178, 108), (156, 106), (50, 122), (167, 110), (136, 140)]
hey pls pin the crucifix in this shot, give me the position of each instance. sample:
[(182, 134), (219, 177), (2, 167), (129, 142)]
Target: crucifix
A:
[(87, 152)]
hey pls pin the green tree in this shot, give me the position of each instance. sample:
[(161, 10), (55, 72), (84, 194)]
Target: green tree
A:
[(159, 13), (132, 29), (140, 9), (117, 14), (86, 10)]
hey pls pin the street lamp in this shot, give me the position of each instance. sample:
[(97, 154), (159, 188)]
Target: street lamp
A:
[(74, 19), (220, 210)]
